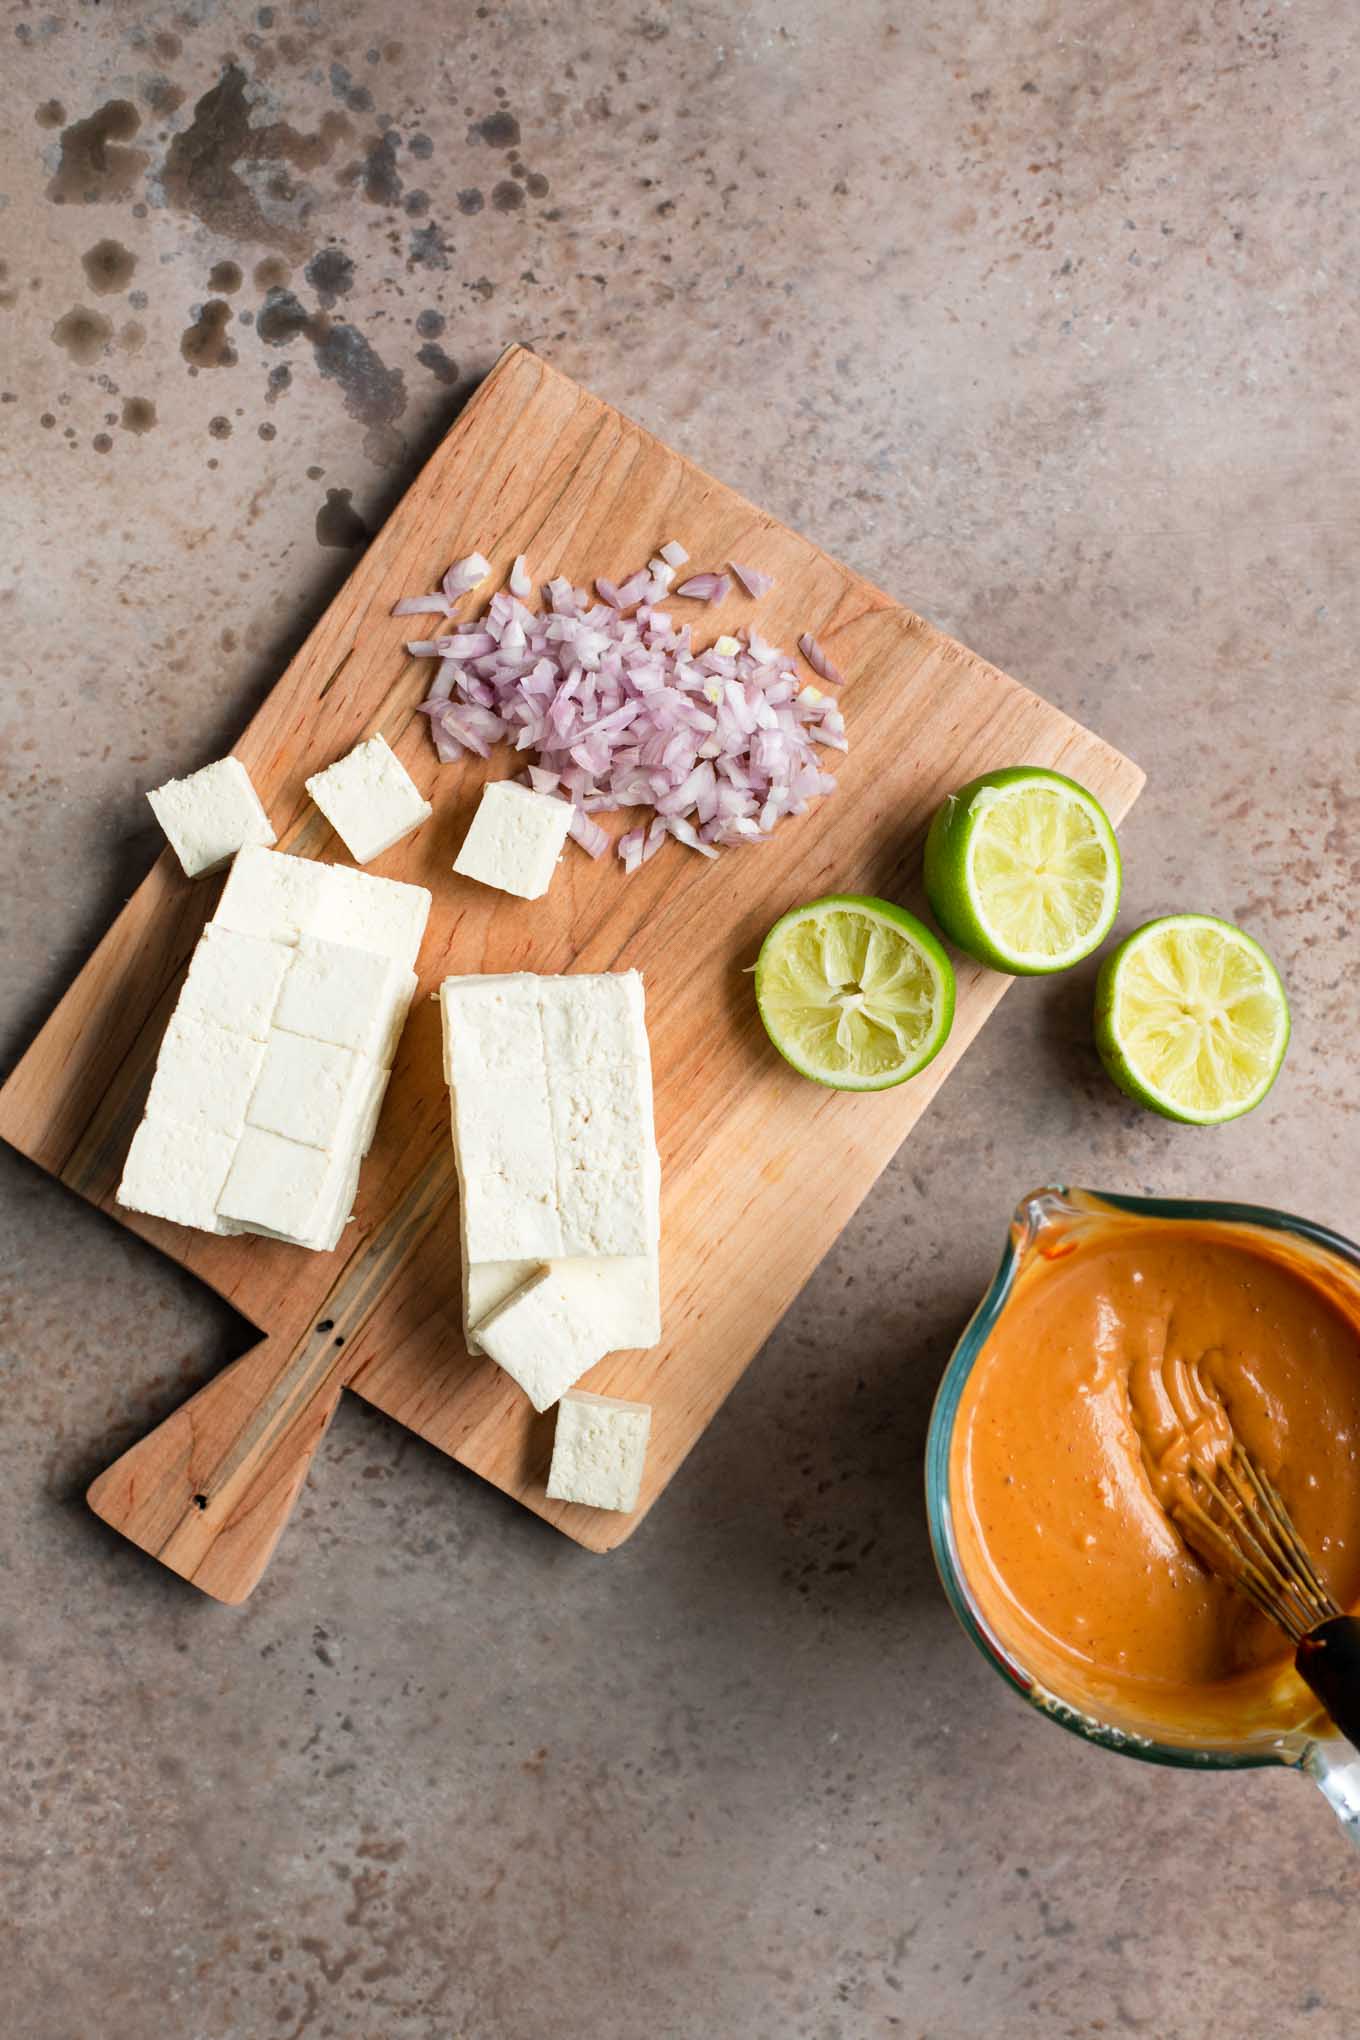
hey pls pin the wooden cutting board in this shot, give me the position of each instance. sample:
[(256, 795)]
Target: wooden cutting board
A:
[(761, 1170)]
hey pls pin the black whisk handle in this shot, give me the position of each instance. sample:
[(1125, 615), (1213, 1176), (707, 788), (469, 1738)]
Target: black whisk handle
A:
[(1328, 1659)]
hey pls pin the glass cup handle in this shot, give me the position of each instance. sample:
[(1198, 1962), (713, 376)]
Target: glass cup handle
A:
[(1334, 1767)]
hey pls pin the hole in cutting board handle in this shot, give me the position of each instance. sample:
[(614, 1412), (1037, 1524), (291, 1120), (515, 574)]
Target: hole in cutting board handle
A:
[(200, 1501)]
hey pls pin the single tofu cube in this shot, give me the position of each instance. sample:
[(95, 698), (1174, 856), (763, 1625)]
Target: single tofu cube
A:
[(369, 799), (612, 1208), (274, 896), (599, 1450), (234, 981), (515, 840), (595, 1021), (205, 1076), (366, 912), (540, 1338), (276, 1185), (177, 1172), (309, 1091), (351, 997), (210, 815)]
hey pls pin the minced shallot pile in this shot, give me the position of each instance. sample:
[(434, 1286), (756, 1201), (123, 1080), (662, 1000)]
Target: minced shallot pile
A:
[(619, 710)]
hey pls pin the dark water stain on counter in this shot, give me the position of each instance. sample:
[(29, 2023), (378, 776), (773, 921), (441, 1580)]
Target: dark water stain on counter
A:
[(331, 275), (84, 334), (94, 169), (337, 523), (139, 414), (272, 273), (224, 278), (51, 114), (382, 183), (108, 266), (220, 427), (204, 344), (433, 357), (373, 393), (201, 177), (500, 130)]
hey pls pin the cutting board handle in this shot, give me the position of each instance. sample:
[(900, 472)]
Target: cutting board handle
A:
[(209, 1491)]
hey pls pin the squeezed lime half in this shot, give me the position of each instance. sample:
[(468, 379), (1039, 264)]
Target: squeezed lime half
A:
[(854, 992)]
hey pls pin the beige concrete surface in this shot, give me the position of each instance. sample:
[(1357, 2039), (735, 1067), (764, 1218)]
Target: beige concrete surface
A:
[(1043, 315)]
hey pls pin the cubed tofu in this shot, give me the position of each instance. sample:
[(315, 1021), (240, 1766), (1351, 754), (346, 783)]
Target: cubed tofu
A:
[(541, 1339), (177, 1172), (385, 915), (599, 1450), (210, 815), (274, 896), (346, 996), (515, 840), (309, 1091), (276, 1185), (595, 1021), (369, 799), (234, 981), (283, 898), (205, 1075)]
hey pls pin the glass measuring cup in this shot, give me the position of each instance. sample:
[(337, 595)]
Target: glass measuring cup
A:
[(1041, 1222)]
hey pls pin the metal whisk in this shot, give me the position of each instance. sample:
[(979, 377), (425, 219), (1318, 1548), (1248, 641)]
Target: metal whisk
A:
[(1236, 1520)]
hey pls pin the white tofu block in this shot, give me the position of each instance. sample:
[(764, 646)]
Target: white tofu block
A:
[(205, 1076), (369, 799), (599, 1450), (276, 1185), (540, 1338), (176, 1172), (272, 895), (515, 840), (309, 1091), (382, 914), (210, 815), (234, 981), (351, 997)]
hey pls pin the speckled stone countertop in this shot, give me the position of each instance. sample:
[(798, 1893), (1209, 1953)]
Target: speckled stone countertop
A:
[(1041, 314)]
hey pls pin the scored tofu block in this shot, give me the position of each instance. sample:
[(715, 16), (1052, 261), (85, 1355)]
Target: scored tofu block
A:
[(283, 898), (276, 1184), (369, 799), (588, 1184), (234, 981), (309, 1091), (210, 815), (177, 1172), (346, 996), (541, 1338), (515, 840), (276, 1058), (599, 1451), (205, 1076)]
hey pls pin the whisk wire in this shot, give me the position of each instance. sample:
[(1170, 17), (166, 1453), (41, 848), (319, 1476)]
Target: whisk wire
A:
[(1237, 1512)]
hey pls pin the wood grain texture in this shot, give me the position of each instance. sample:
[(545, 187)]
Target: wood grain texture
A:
[(761, 1170)]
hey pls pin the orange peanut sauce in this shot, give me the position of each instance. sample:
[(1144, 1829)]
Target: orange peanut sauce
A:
[(1069, 1442)]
